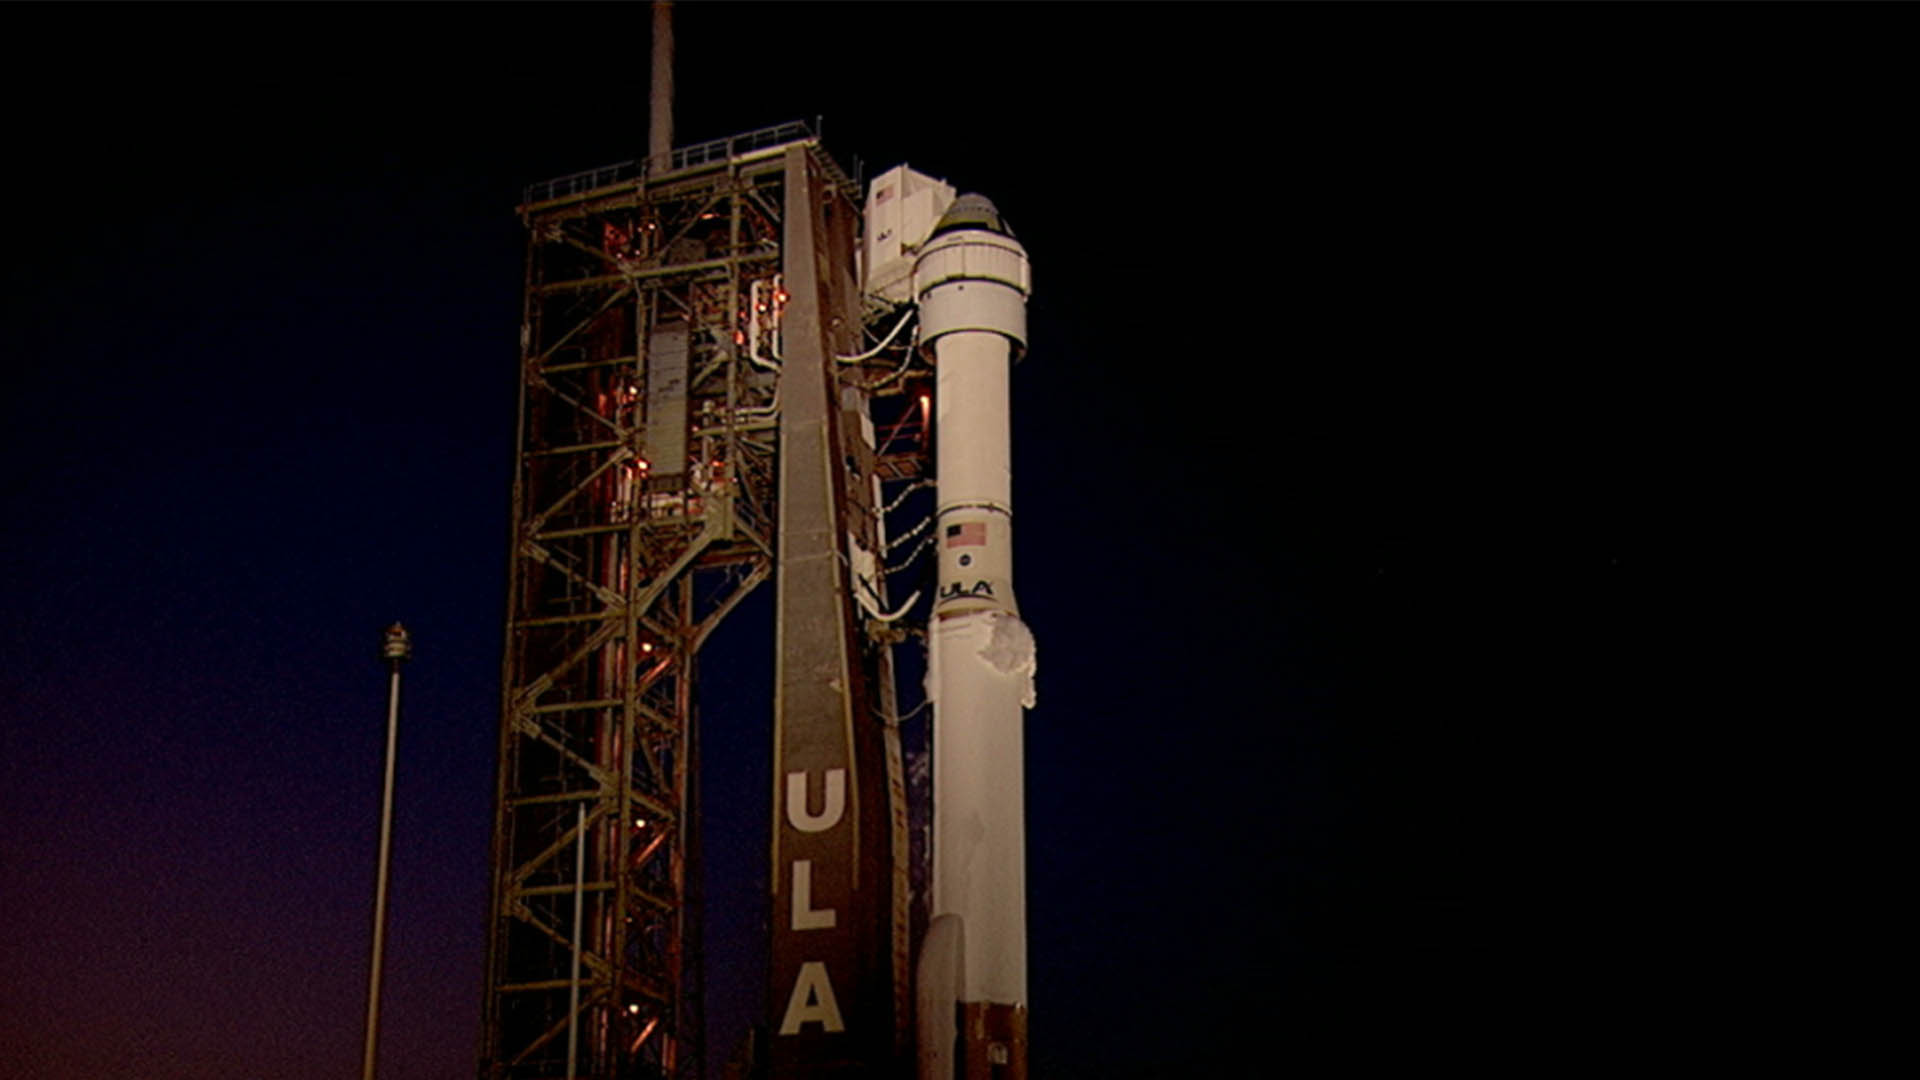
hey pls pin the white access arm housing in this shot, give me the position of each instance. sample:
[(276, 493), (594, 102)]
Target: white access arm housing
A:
[(902, 208)]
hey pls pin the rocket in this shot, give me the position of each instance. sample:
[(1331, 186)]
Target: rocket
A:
[(971, 280)]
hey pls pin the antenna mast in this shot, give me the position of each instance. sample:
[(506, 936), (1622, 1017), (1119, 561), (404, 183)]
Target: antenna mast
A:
[(660, 114)]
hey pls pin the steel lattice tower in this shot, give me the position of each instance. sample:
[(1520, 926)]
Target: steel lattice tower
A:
[(643, 511)]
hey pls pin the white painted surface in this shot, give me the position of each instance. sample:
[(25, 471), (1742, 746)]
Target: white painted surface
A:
[(979, 808), (974, 420), (902, 207), (812, 1001), (972, 285), (805, 915), (834, 801)]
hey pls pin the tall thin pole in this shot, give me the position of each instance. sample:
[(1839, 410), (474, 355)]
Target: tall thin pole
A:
[(660, 110), (573, 978), (395, 652)]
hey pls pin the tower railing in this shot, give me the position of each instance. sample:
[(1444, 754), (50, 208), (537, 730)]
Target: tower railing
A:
[(685, 158)]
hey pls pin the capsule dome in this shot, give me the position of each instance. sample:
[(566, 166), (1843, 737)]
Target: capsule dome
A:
[(971, 211)]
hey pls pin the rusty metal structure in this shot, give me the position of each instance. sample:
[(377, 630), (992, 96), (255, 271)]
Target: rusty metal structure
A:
[(839, 947), (677, 382)]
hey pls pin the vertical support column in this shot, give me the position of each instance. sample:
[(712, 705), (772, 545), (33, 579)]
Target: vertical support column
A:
[(831, 985), (690, 976)]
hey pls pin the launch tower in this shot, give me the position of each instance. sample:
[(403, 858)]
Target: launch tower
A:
[(715, 389), (660, 307)]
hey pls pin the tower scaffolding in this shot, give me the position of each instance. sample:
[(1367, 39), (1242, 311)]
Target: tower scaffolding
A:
[(643, 511)]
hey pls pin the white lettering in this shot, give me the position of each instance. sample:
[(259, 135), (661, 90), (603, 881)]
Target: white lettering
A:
[(797, 801), (812, 999), (804, 917)]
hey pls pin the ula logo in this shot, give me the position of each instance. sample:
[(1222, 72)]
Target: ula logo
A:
[(812, 999), (956, 590)]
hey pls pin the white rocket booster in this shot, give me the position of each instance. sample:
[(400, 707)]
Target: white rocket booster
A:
[(971, 280)]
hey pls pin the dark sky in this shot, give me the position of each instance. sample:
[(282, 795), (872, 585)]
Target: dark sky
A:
[(1336, 458)]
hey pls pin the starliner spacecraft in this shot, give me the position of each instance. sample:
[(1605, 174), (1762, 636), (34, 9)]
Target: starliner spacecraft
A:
[(968, 279), (971, 281)]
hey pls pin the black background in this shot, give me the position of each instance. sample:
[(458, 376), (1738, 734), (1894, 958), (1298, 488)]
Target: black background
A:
[(1372, 348)]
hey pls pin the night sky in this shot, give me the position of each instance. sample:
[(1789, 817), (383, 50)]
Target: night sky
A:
[(1334, 459)]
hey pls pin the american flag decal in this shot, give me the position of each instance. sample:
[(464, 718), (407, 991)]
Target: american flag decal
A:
[(968, 533)]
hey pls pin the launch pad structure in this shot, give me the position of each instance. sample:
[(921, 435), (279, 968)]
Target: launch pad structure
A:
[(683, 428), (701, 410)]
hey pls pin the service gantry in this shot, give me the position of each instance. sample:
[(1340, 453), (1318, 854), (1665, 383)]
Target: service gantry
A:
[(685, 431)]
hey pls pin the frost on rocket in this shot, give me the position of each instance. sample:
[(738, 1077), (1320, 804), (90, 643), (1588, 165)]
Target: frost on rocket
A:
[(1010, 650)]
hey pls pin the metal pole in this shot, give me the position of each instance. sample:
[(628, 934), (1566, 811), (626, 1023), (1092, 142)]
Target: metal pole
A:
[(660, 103), (579, 896), (395, 652)]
